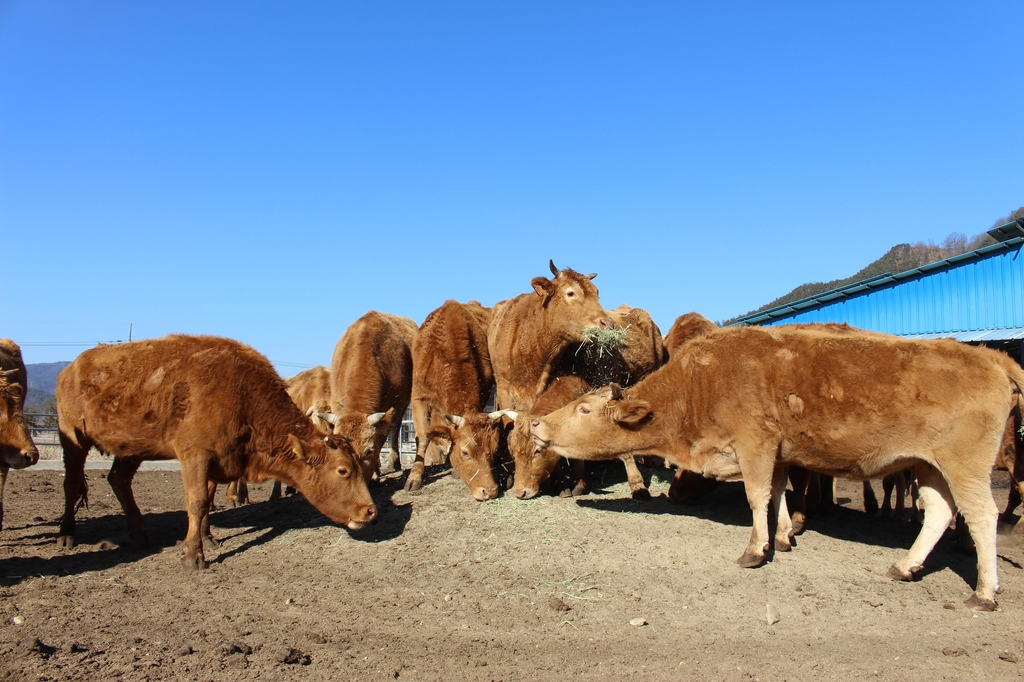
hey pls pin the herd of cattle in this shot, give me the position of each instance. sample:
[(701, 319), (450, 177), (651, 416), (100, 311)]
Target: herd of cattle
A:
[(740, 403)]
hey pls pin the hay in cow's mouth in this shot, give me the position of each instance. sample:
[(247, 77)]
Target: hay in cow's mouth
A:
[(604, 340)]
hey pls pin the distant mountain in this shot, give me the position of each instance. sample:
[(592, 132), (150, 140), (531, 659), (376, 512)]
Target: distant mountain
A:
[(42, 376), (35, 397), (899, 258), (42, 384)]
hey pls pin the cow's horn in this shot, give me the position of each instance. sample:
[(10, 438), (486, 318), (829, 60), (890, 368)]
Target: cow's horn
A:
[(9, 373), (551, 264), (455, 419), (511, 414), (374, 419), (328, 417), (616, 391), (592, 275)]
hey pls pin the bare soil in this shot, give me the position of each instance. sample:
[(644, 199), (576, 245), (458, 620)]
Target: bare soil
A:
[(446, 588)]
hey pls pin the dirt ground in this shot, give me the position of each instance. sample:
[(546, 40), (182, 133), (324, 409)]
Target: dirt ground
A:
[(446, 588)]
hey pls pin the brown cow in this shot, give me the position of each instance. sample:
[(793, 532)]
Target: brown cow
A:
[(688, 486), (1011, 458), (642, 353), (753, 400), (214, 404), (310, 390), (16, 447), (686, 328), (451, 382), (529, 333), (371, 383), (535, 464)]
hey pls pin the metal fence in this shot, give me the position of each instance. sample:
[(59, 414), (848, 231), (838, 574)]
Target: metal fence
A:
[(42, 435)]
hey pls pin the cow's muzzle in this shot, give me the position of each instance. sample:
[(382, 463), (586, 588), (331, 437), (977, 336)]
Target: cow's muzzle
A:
[(26, 457)]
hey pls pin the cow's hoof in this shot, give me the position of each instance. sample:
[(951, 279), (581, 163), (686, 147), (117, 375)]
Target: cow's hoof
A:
[(978, 604), (210, 543), (66, 541), (413, 484), (138, 538), (750, 560), (194, 563), (641, 494), (896, 573), (782, 545), (799, 519)]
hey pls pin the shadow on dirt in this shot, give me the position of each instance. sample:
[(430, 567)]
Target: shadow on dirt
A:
[(103, 537), (727, 504)]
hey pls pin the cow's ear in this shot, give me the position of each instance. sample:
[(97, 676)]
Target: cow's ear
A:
[(543, 286), (297, 448), (439, 435), (630, 411), (17, 390)]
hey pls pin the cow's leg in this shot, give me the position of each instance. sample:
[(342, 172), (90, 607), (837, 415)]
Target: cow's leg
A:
[(637, 487), (813, 491), (209, 542), (758, 476), (122, 471), (973, 496), (784, 524), (577, 480), (194, 477), (395, 454), (3, 484), (870, 501), (237, 493), (799, 477), (915, 494), (420, 422), (275, 491), (75, 487), (827, 493), (888, 484), (938, 512)]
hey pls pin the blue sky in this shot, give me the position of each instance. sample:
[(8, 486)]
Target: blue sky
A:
[(270, 171)]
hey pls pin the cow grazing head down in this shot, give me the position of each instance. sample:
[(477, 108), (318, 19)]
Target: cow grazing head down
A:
[(600, 425), (471, 442), (330, 478), (16, 447), (366, 433), (534, 463), (570, 301)]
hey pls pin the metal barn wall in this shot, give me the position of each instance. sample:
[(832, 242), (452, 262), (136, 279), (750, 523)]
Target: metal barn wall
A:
[(985, 293)]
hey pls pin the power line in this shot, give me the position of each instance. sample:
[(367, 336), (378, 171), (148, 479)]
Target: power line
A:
[(57, 343)]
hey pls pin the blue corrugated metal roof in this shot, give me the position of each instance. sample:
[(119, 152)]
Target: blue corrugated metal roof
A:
[(978, 291), (977, 335)]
